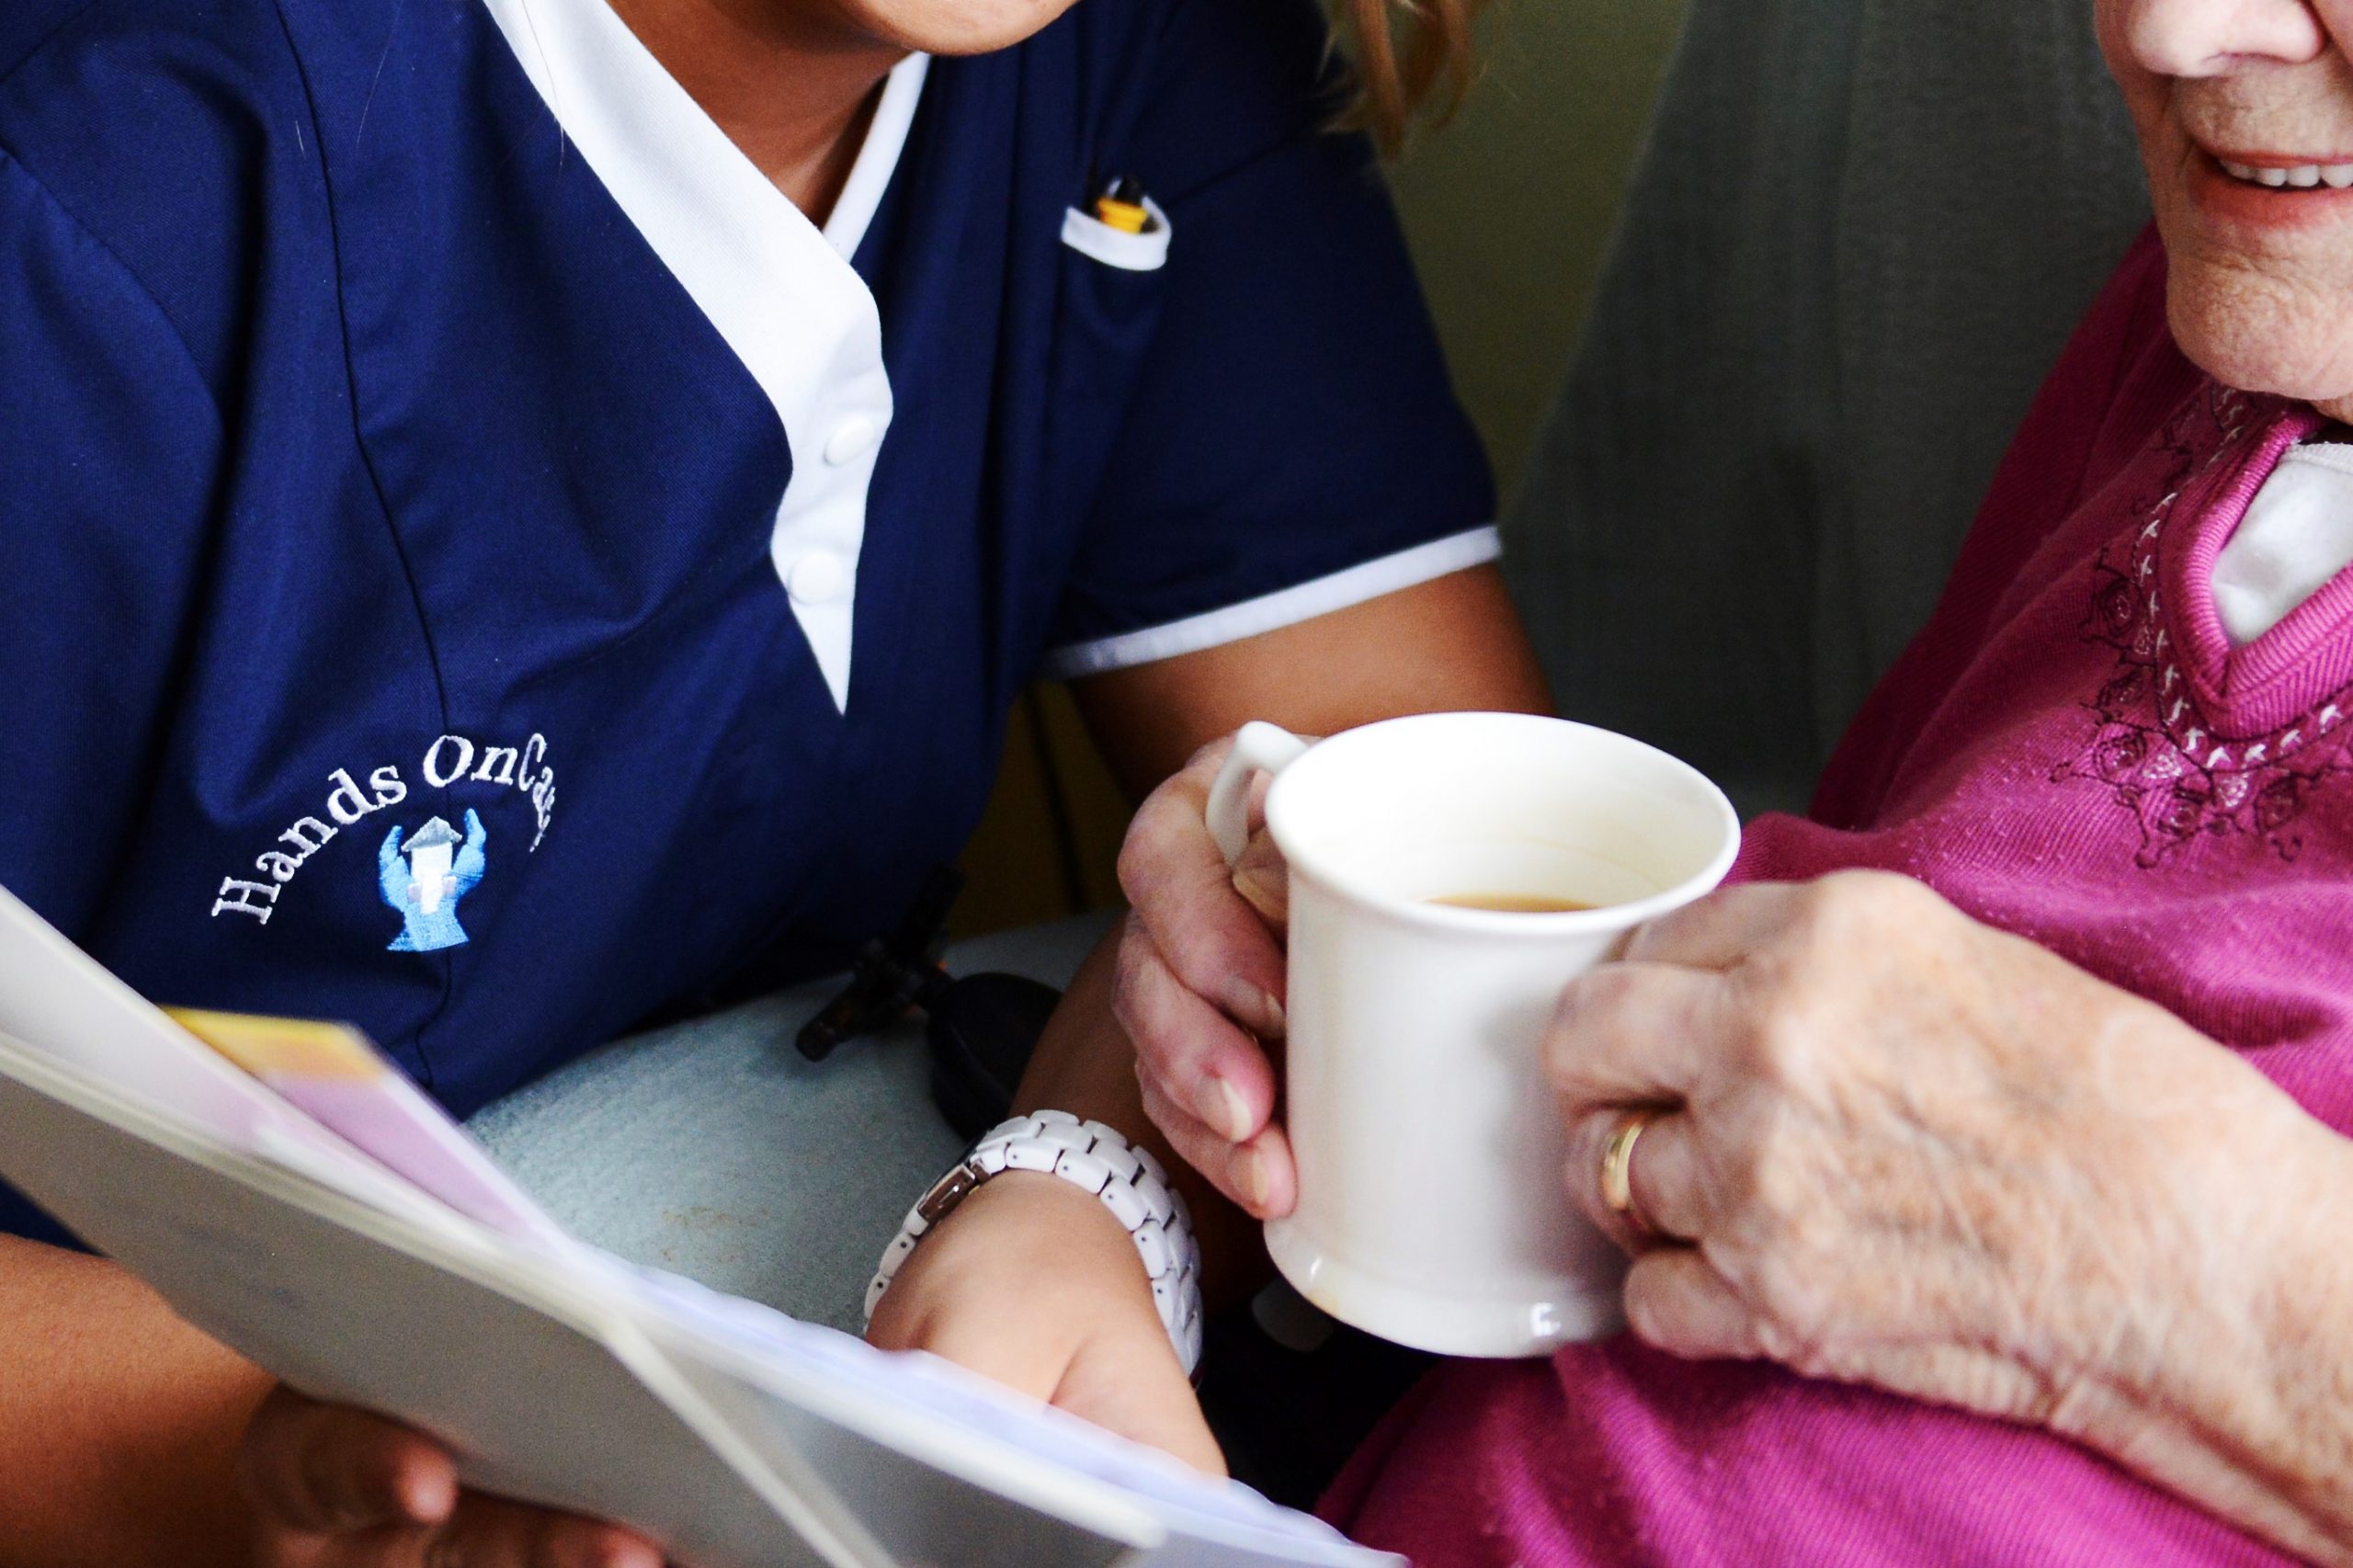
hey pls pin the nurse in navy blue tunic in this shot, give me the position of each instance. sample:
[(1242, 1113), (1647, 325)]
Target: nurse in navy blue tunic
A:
[(524, 515)]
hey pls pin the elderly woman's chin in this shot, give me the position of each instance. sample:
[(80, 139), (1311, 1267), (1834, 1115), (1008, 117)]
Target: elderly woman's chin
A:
[(2259, 332)]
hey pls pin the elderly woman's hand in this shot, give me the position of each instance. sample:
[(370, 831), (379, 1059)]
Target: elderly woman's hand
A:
[(1201, 987), (1896, 1146)]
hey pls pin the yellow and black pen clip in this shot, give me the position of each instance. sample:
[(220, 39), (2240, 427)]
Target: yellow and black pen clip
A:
[(1121, 206)]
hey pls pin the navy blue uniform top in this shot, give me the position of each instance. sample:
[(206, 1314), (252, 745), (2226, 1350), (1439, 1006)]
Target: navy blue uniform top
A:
[(397, 631)]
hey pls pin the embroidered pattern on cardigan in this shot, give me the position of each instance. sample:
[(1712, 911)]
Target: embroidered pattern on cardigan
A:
[(2151, 744)]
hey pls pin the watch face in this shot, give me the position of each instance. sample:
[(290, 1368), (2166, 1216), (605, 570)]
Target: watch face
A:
[(952, 1189)]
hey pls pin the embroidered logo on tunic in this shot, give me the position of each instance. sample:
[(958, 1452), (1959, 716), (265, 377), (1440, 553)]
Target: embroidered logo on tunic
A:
[(435, 869), (423, 892), (2151, 746)]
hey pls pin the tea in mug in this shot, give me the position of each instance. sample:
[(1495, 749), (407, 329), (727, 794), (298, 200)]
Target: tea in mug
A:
[(1514, 902)]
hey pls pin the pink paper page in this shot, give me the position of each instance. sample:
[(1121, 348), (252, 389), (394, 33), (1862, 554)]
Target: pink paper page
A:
[(334, 1075)]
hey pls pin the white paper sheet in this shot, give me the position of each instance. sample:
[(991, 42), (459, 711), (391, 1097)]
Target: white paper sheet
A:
[(740, 1437), (58, 1001)]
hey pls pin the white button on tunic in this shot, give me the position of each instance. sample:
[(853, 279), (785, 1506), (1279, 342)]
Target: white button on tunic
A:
[(817, 578), (850, 441)]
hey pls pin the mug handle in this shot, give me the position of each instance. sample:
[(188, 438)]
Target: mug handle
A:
[(1260, 747)]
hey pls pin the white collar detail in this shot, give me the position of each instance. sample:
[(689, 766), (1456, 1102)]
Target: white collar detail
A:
[(781, 293), (877, 156), (2296, 534)]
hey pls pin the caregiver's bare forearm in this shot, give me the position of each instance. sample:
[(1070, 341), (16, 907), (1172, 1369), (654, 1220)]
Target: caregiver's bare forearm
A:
[(1201, 972), (117, 1422), (2245, 1404), (1454, 643)]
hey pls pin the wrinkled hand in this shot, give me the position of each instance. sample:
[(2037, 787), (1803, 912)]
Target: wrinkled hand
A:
[(1032, 1283), (335, 1487), (1903, 1148), (1201, 987)]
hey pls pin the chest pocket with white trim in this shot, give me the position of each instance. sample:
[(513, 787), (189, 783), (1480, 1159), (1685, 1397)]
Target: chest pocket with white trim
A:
[(1145, 252)]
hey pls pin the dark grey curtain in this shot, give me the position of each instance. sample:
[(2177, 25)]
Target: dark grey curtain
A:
[(1859, 235)]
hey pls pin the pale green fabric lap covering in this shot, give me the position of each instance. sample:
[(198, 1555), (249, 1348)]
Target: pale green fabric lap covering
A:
[(1860, 234), (713, 1149)]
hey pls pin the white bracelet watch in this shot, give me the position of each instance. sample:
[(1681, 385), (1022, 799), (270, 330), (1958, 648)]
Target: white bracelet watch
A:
[(1130, 1182)]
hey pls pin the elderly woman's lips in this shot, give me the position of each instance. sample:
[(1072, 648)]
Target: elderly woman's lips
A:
[(2298, 176), (2274, 197)]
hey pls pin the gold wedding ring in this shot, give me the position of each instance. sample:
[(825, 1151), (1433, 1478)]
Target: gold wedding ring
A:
[(1617, 1172)]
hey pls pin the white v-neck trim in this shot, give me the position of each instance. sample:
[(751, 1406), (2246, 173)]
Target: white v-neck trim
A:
[(877, 156), (778, 289)]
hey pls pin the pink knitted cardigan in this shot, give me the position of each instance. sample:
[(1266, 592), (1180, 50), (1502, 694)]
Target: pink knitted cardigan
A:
[(2073, 751)]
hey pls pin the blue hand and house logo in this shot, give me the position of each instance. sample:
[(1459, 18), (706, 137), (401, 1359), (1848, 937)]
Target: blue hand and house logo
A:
[(425, 891)]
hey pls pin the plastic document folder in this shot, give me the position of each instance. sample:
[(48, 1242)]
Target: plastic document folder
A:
[(288, 1193)]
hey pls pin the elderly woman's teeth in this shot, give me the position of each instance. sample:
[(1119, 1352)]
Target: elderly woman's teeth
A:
[(2304, 176)]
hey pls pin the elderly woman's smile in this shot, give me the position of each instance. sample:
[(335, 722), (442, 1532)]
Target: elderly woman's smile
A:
[(2300, 177), (2244, 111)]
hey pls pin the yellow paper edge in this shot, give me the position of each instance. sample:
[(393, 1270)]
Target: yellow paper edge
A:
[(267, 1046)]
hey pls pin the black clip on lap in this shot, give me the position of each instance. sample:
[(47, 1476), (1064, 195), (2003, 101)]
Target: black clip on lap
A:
[(981, 1028)]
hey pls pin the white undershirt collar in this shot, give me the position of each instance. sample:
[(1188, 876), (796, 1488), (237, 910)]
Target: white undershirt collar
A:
[(2296, 534), (778, 289)]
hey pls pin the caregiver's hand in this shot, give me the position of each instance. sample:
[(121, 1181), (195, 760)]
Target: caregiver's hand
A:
[(335, 1487), (1033, 1284), (1903, 1148), (1201, 987)]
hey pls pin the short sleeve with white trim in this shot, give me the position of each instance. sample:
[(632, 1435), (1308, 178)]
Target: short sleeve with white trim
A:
[(1290, 446)]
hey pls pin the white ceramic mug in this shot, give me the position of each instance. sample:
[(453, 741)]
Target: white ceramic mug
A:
[(1432, 1205)]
